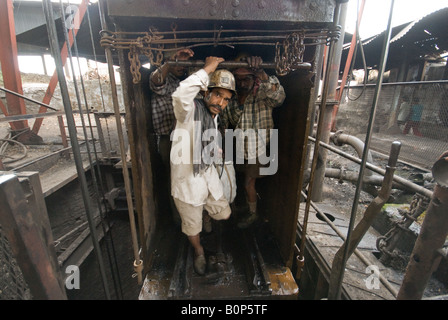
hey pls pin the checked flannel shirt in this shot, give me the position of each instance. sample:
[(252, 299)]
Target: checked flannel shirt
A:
[(163, 118), (256, 113)]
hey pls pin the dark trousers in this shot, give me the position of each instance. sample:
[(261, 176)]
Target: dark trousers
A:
[(164, 149)]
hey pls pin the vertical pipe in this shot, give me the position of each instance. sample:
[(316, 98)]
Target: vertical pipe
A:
[(79, 16), (337, 292), (54, 44), (316, 144), (369, 216), (327, 110), (138, 263)]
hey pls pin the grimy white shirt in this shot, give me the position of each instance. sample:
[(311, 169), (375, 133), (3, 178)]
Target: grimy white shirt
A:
[(185, 186)]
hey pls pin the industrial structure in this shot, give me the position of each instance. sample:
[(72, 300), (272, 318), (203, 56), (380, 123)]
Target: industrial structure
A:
[(303, 248)]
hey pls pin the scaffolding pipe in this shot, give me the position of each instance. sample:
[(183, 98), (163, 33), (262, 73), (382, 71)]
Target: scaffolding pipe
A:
[(369, 216), (54, 44), (337, 292), (332, 71), (406, 183), (352, 176), (235, 64), (28, 99), (316, 147), (339, 138), (138, 263)]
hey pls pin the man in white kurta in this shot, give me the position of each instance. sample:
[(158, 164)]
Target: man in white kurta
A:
[(194, 191)]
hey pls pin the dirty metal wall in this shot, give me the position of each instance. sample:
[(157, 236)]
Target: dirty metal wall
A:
[(244, 10), (279, 193)]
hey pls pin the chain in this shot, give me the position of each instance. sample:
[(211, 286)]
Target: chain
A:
[(417, 207), (287, 59), (140, 45), (288, 54), (135, 65), (333, 35)]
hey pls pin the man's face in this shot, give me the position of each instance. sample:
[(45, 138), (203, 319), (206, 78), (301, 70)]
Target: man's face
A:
[(244, 83), (217, 99), (179, 72)]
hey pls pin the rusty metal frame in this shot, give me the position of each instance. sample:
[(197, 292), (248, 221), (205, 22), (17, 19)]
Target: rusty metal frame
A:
[(54, 79), (428, 250), (25, 223), (10, 64)]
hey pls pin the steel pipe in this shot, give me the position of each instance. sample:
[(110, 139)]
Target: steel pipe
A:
[(406, 183), (336, 293), (54, 45), (372, 211), (325, 90), (28, 99), (138, 263), (339, 138), (234, 64)]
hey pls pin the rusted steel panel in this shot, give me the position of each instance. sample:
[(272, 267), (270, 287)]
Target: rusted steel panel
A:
[(426, 256), (244, 10), (10, 64), (30, 239)]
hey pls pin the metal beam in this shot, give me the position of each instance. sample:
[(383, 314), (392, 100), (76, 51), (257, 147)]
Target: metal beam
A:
[(54, 44), (28, 230), (335, 292), (54, 79), (10, 64)]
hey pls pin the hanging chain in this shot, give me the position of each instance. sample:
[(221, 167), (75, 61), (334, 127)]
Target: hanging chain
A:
[(287, 59), (288, 54), (385, 243), (135, 65)]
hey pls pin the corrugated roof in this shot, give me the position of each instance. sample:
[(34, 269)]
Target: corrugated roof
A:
[(425, 38)]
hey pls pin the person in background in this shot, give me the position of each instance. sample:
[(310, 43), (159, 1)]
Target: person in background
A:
[(195, 183), (415, 115), (404, 111), (163, 82), (257, 95)]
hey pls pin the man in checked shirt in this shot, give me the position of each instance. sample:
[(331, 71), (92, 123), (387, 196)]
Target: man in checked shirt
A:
[(163, 82), (257, 95)]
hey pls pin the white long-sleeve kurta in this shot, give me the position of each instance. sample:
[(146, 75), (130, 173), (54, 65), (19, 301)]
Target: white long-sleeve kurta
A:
[(184, 185)]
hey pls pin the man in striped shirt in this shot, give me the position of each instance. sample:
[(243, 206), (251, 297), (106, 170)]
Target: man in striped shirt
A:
[(251, 112)]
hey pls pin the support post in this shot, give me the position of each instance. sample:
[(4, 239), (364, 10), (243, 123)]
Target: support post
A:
[(333, 76), (54, 79), (10, 64), (335, 294), (54, 44)]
